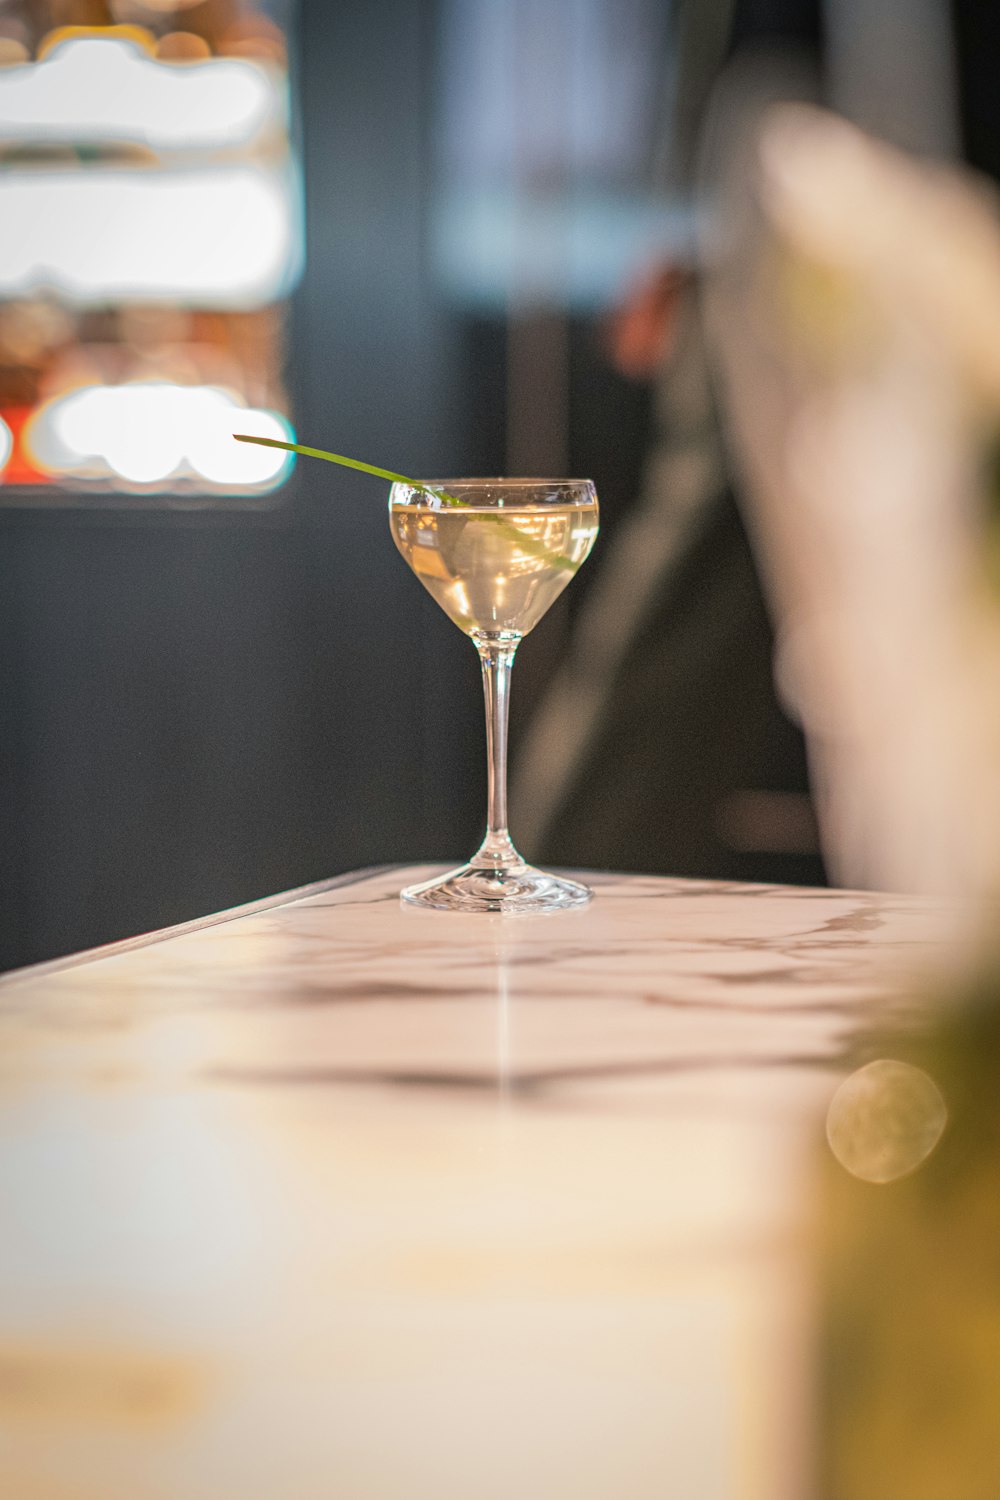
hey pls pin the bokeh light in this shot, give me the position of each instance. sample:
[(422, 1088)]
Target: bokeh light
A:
[(148, 432), (88, 88), (885, 1120), (152, 200)]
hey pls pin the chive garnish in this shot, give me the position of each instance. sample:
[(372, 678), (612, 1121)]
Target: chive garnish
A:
[(513, 533), (350, 463)]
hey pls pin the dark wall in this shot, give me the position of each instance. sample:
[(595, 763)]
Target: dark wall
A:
[(198, 709)]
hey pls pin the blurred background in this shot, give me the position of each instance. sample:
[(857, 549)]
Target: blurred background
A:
[(449, 237), (391, 229)]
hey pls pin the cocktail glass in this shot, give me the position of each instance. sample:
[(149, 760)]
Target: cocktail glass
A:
[(495, 554)]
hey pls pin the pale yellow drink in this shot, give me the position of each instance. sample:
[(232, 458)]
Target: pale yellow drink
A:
[(494, 571)]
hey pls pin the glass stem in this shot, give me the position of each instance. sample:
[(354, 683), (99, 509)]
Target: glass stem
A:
[(497, 849)]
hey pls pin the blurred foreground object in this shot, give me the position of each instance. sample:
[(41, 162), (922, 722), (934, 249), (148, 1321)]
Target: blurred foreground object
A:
[(856, 308), (909, 1366)]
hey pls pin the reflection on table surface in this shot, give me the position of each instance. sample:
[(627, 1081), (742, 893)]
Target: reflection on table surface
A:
[(336, 1197)]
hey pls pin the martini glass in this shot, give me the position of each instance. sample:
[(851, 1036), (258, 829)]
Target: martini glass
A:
[(495, 554)]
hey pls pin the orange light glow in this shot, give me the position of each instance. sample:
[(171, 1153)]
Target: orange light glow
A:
[(138, 34)]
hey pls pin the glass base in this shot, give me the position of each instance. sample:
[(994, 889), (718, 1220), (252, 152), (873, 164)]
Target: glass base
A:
[(511, 890)]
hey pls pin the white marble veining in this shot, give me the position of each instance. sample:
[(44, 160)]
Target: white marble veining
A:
[(339, 1197)]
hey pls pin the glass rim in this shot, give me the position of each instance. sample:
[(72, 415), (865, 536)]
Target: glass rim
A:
[(497, 482), (502, 483)]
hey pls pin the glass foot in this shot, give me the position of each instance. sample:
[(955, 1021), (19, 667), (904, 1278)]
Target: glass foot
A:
[(511, 889)]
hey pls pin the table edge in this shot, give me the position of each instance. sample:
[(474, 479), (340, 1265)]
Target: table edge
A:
[(194, 924), (369, 872)]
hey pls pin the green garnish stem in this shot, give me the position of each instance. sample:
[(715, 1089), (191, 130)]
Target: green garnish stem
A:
[(513, 533)]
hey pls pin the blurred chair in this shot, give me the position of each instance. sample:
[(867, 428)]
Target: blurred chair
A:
[(661, 745)]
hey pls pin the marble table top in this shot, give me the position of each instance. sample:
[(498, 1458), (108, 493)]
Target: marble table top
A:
[(330, 1196)]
